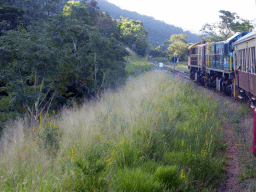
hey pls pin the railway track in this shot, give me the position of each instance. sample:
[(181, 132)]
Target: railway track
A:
[(185, 76), (174, 71)]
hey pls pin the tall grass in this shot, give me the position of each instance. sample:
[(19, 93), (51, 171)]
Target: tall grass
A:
[(155, 134)]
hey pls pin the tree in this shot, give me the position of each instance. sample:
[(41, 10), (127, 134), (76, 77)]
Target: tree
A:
[(93, 10), (133, 34), (60, 58), (180, 48), (176, 38), (229, 24), (37, 9), (178, 45), (211, 32), (157, 52), (64, 56), (107, 26), (78, 10), (10, 17)]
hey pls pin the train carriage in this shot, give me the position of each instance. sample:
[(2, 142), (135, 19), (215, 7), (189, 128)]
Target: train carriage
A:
[(245, 66)]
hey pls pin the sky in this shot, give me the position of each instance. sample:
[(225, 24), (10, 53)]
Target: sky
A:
[(189, 14)]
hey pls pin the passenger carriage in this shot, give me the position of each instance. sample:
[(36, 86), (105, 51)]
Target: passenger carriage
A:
[(245, 66)]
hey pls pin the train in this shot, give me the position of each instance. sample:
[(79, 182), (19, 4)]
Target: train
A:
[(229, 66)]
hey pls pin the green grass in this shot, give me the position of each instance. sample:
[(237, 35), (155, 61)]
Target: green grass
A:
[(136, 65), (181, 66), (155, 134)]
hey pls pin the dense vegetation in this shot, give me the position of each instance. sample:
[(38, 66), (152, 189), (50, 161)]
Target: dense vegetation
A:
[(176, 46), (49, 56), (154, 134)]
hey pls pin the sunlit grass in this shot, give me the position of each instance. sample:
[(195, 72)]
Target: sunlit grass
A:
[(156, 133), (136, 65), (181, 66)]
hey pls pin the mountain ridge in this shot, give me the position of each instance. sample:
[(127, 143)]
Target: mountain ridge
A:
[(158, 31)]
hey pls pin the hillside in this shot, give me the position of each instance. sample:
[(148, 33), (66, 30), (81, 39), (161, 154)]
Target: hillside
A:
[(158, 31)]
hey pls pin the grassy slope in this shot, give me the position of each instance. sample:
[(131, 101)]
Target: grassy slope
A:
[(155, 133), (135, 65)]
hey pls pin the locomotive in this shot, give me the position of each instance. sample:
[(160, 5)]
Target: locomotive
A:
[(229, 66)]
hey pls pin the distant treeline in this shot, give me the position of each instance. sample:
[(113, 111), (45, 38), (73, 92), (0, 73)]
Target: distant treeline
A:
[(158, 31), (50, 55)]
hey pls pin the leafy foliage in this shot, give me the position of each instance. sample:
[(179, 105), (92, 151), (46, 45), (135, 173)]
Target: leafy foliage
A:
[(178, 46), (77, 10), (10, 17), (157, 52), (133, 34), (229, 24), (107, 26), (56, 59), (177, 38)]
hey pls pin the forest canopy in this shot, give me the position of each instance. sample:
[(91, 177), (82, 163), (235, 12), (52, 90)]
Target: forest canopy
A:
[(49, 55)]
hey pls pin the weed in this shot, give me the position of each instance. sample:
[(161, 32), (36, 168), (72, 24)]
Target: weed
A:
[(49, 135)]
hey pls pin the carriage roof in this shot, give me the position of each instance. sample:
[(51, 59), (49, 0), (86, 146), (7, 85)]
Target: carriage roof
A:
[(245, 38)]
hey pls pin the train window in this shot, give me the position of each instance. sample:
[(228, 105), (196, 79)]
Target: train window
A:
[(193, 51), (226, 49), (222, 61), (244, 60), (248, 56), (235, 61), (240, 59), (231, 47), (200, 54), (253, 59)]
